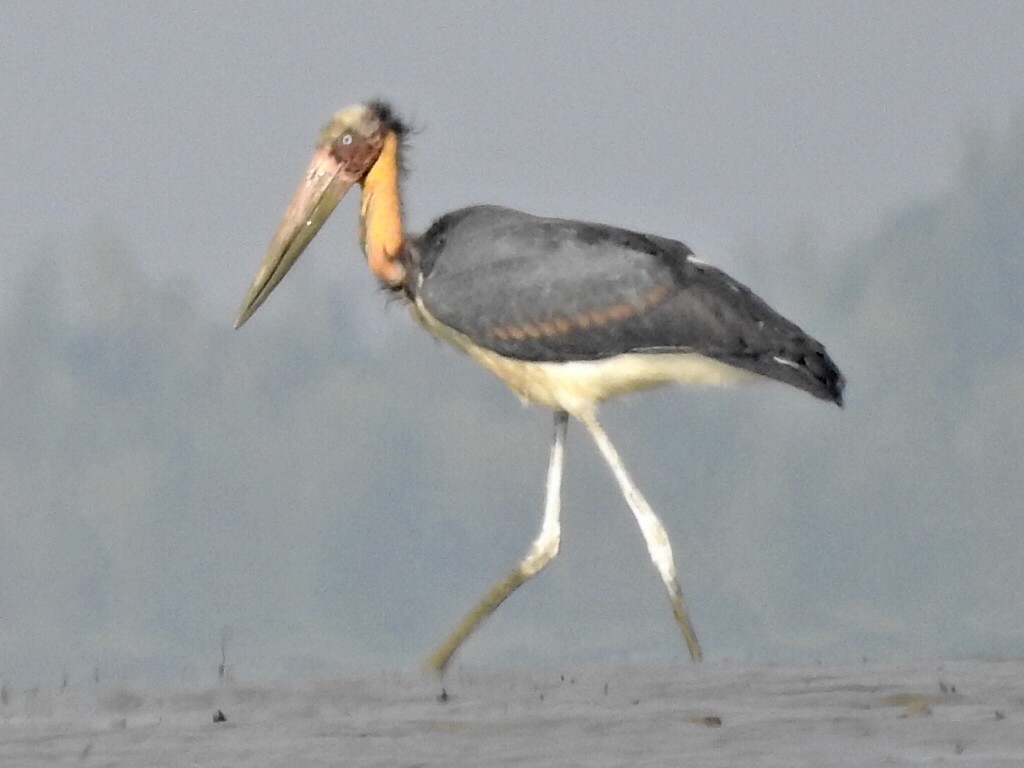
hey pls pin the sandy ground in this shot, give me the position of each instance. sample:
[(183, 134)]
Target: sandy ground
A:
[(963, 712)]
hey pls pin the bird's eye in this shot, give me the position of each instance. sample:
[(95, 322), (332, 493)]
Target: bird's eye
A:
[(346, 139)]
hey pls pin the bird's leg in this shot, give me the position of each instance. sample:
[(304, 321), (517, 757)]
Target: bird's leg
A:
[(654, 532), (543, 549)]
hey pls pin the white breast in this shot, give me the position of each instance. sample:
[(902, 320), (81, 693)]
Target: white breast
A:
[(576, 386)]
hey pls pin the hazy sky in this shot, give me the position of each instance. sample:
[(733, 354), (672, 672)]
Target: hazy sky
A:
[(185, 126), (178, 131)]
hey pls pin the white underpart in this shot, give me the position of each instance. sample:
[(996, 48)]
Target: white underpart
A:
[(658, 545), (577, 385), (545, 546)]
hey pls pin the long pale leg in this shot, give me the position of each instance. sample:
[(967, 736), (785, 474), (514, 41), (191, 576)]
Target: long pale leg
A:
[(542, 551), (654, 532)]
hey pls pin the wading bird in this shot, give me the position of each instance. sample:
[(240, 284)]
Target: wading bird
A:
[(566, 313)]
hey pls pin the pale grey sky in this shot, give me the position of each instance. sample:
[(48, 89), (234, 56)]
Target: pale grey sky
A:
[(184, 127), (148, 151)]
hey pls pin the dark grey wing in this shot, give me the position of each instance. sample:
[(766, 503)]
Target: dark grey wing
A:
[(552, 290)]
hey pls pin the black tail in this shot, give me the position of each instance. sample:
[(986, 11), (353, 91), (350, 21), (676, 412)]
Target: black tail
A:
[(801, 362)]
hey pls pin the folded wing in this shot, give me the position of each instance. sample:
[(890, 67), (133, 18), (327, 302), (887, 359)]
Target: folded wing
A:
[(553, 290)]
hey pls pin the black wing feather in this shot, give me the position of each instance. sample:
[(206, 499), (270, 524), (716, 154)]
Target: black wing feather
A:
[(553, 290)]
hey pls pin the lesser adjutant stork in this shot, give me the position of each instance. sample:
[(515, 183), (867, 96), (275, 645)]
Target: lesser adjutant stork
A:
[(566, 313)]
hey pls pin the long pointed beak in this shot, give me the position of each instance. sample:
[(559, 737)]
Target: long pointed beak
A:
[(323, 186)]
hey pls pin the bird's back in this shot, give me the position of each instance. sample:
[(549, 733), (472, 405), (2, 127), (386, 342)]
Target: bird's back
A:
[(553, 290)]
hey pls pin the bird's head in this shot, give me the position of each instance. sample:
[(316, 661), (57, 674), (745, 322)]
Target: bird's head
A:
[(360, 144)]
